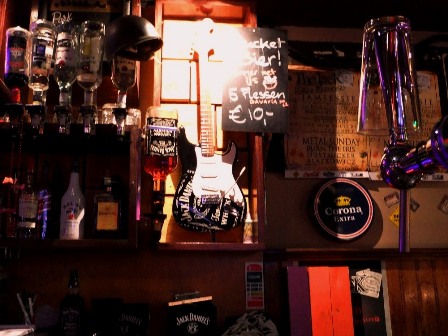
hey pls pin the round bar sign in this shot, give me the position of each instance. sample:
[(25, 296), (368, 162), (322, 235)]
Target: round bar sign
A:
[(343, 208)]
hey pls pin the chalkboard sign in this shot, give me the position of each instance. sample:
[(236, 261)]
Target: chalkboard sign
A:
[(255, 97)]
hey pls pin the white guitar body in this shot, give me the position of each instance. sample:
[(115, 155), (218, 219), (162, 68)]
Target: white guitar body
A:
[(214, 180)]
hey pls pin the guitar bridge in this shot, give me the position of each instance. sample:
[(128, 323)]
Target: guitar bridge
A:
[(210, 199)]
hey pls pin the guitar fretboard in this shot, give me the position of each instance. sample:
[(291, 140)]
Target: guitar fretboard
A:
[(207, 125)]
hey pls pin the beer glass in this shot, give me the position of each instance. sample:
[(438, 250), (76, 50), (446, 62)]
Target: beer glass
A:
[(388, 101)]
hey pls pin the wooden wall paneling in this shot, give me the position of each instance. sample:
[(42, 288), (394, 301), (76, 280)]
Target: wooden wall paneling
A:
[(276, 293), (417, 296), (440, 272), (412, 315), (396, 297), (427, 290)]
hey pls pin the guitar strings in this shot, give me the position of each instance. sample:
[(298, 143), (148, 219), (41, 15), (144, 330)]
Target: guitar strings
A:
[(236, 180)]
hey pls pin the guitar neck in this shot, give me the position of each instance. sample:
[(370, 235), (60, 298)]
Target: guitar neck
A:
[(207, 115)]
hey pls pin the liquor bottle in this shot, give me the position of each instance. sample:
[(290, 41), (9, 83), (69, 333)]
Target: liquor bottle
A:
[(66, 59), (44, 205), (27, 211), (72, 309), (72, 208), (43, 38), (89, 75), (123, 77), (107, 212), (161, 142), (160, 159), (16, 72)]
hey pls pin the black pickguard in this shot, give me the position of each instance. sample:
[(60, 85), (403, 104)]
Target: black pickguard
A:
[(190, 211)]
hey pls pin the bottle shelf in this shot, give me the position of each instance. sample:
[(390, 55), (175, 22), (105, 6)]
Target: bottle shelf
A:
[(97, 153), (124, 244)]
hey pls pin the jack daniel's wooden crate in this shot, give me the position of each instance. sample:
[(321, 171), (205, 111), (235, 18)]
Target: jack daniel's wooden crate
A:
[(192, 317)]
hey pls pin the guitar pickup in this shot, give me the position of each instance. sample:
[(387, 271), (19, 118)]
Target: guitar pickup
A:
[(208, 176), (210, 188), (210, 199)]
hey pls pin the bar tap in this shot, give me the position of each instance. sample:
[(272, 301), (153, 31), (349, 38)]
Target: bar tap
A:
[(387, 54)]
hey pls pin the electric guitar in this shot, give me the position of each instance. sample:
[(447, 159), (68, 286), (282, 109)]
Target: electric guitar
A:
[(207, 197)]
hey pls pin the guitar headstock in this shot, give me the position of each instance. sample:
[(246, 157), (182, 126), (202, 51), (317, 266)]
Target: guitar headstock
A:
[(203, 40)]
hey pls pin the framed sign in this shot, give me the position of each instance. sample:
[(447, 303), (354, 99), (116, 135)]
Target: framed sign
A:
[(59, 11)]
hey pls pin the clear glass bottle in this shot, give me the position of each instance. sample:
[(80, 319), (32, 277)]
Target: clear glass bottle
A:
[(66, 59), (123, 77), (43, 36), (16, 72), (107, 212), (89, 74), (27, 210), (72, 312), (72, 208)]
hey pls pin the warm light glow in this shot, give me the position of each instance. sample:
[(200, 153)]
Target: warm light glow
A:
[(234, 56)]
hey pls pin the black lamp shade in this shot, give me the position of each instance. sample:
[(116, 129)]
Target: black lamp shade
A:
[(132, 37)]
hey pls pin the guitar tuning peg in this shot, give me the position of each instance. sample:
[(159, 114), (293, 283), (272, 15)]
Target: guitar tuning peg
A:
[(208, 24)]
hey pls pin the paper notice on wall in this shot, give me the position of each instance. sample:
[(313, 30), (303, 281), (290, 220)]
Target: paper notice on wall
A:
[(254, 286), (323, 118)]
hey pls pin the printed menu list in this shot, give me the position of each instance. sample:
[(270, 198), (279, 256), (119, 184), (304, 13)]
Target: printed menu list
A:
[(323, 117)]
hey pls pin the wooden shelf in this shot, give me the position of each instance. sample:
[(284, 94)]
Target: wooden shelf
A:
[(194, 246), (53, 244)]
